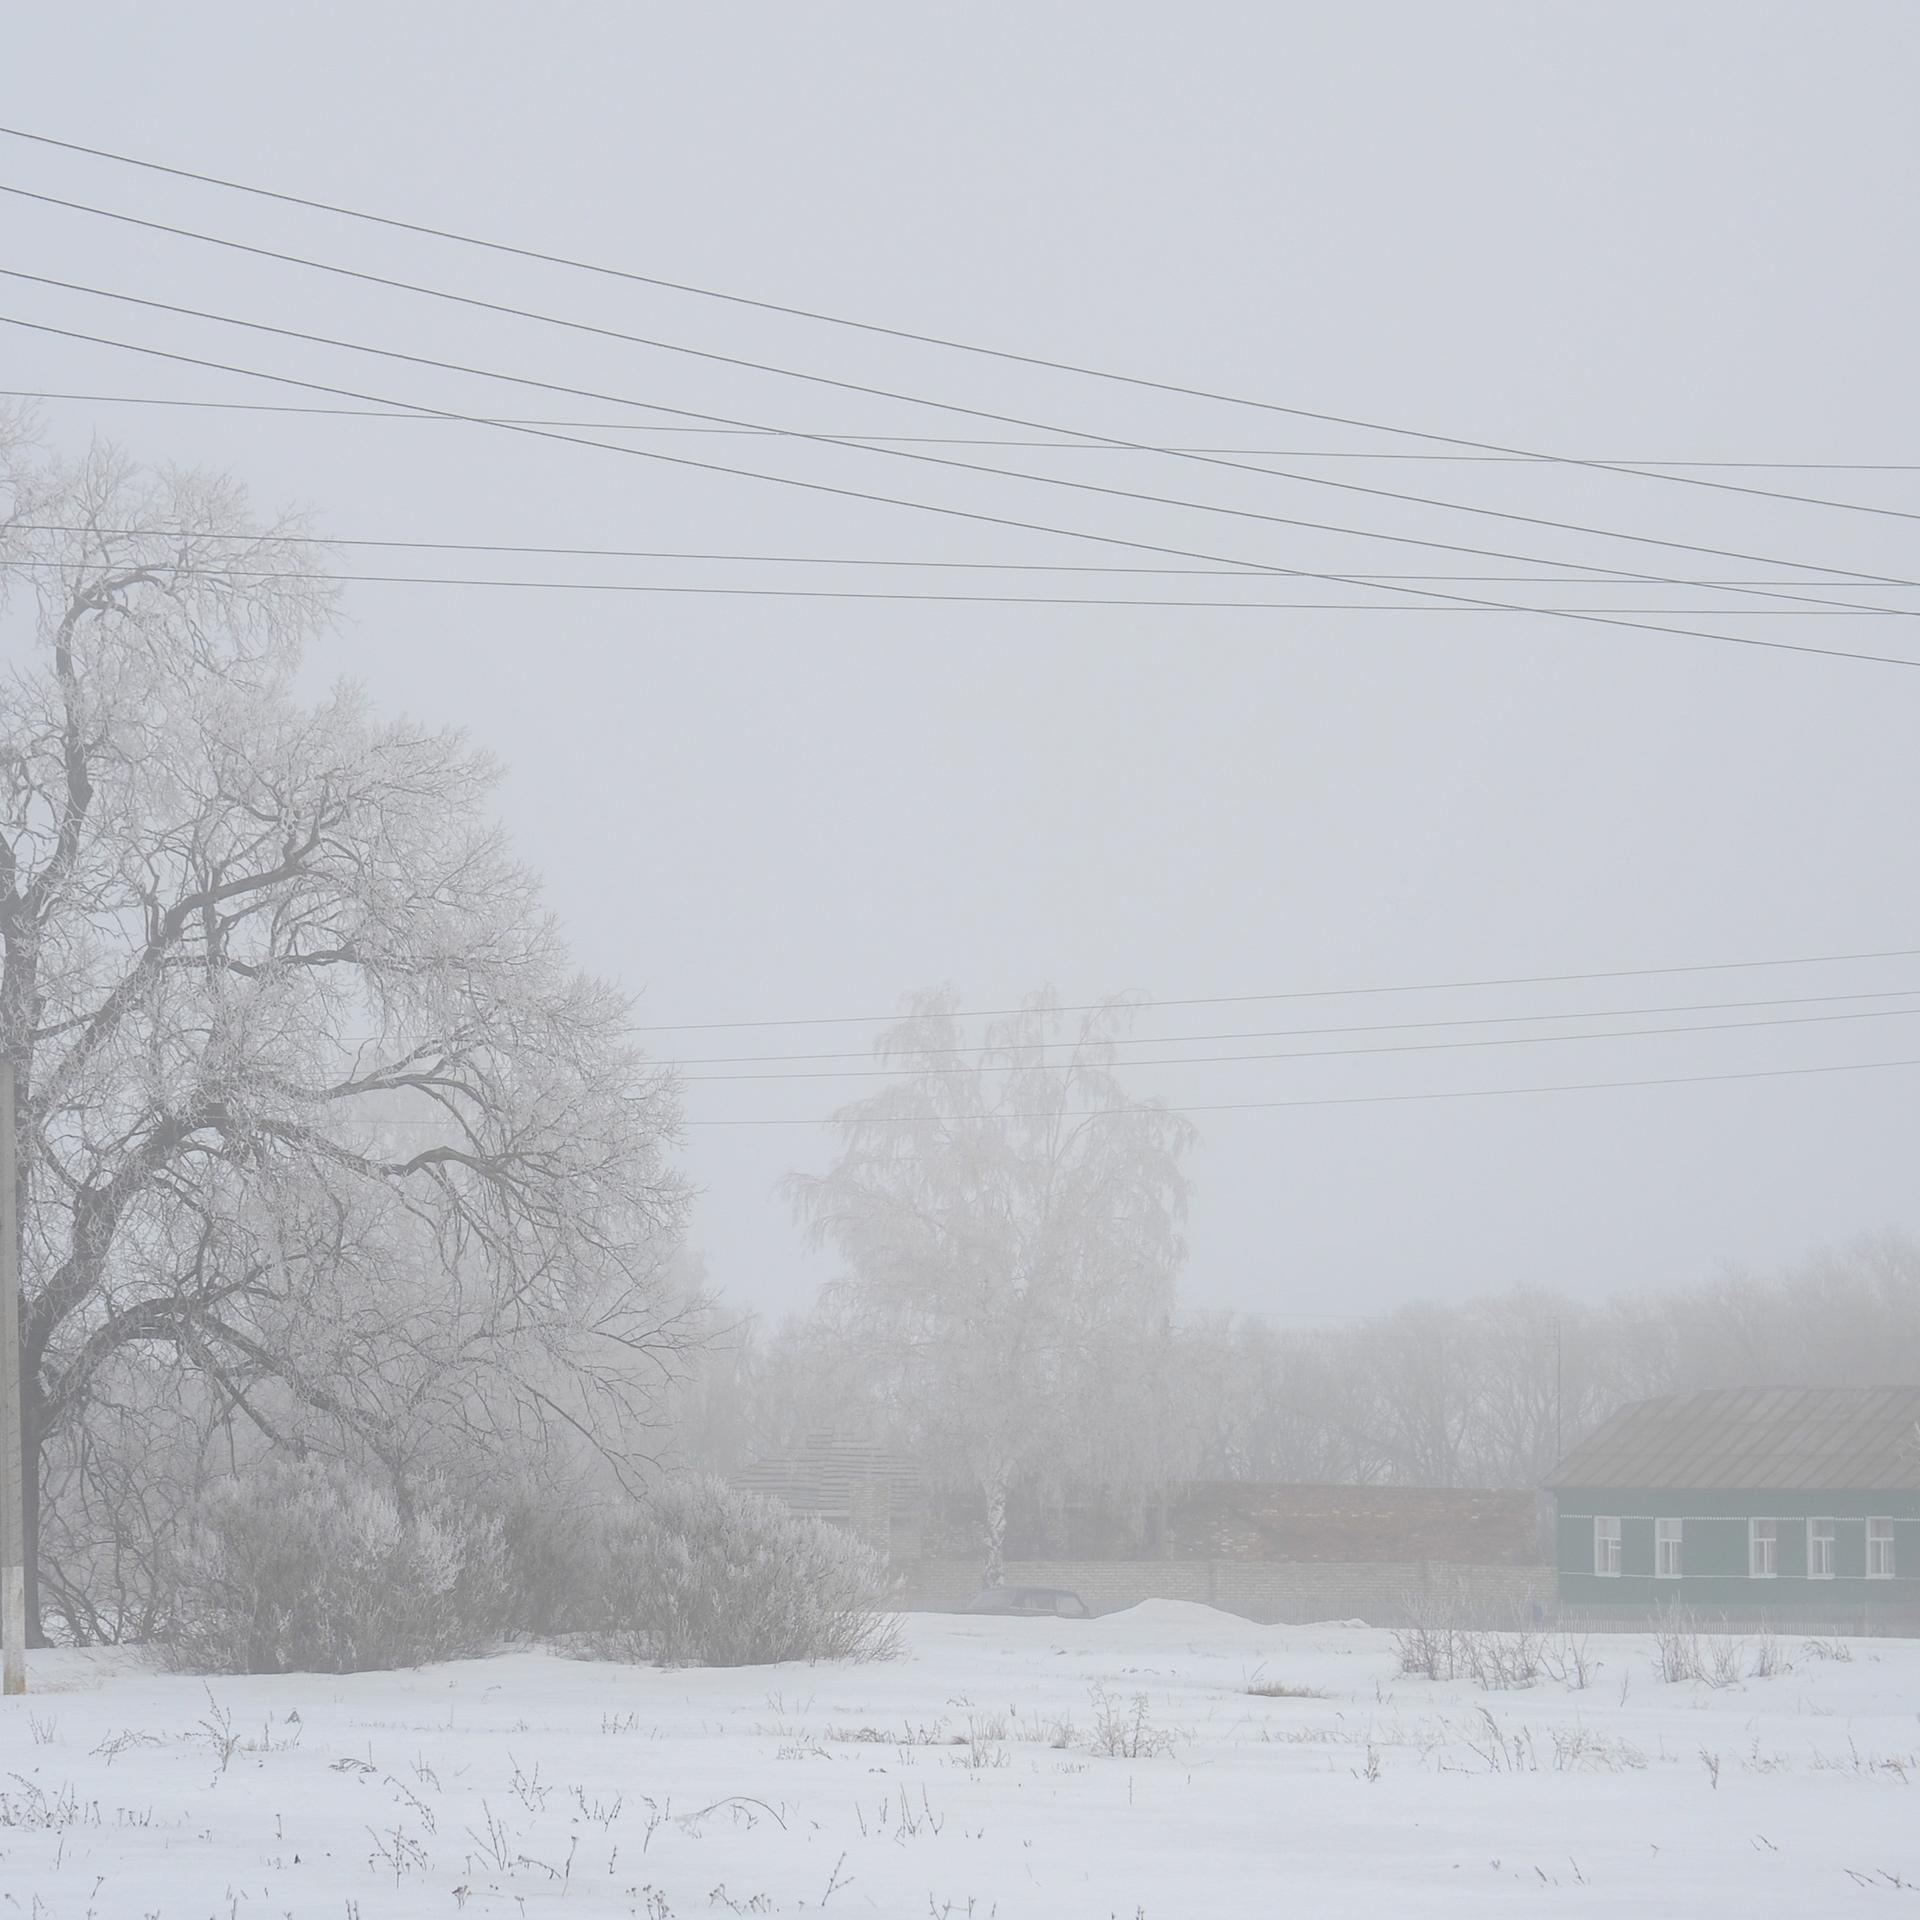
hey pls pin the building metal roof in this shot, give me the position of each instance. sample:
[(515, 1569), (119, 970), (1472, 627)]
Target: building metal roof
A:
[(1255, 1520), (1756, 1438)]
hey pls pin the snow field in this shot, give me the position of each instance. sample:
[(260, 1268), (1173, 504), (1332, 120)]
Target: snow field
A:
[(1161, 1763)]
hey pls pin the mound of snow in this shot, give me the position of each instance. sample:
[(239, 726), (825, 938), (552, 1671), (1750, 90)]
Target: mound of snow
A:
[(1180, 1616)]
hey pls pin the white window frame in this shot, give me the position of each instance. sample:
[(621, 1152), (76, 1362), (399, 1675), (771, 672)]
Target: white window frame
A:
[(1763, 1566), (1880, 1564), (1820, 1559), (1606, 1545), (1669, 1549)]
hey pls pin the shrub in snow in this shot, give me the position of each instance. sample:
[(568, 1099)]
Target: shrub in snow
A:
[(1122, 1729), (1676, 1645), (1682, 1652), (1440, 1643), (1494, 1662), (707, 1576), (305, 1567), (547, 1538)]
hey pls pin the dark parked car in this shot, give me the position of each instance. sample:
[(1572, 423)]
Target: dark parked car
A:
[(1029, 1603)]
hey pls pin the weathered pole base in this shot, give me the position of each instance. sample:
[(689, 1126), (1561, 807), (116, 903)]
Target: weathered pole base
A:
[(13, 1628)]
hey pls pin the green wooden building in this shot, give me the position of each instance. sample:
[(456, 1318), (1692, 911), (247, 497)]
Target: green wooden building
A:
[(1790, 1507)]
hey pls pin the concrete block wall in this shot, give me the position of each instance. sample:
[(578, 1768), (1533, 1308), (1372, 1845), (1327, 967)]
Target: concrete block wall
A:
[(1271, 1592)]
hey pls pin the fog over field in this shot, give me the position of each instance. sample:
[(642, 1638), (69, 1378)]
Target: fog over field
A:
[(1265, 654)]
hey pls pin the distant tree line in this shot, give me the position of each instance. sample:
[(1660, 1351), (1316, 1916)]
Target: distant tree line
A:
[(1483, 1393)]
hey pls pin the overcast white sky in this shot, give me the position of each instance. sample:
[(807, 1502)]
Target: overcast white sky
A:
[(1625, 232)]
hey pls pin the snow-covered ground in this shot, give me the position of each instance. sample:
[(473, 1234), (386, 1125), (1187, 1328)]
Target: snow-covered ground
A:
[(986, 1774)]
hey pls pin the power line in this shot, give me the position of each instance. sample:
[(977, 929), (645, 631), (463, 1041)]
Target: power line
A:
[(1298, 993), (1301, 1033), (1345, 1100), (936, 460), (859, 560), (961, 513), (440, 1127), (958, 440), (1328, 1053), (792, 311), (908, 399), (153, 568)]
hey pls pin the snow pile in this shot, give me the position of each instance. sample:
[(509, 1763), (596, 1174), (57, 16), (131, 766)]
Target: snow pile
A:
[(1179, 1616)]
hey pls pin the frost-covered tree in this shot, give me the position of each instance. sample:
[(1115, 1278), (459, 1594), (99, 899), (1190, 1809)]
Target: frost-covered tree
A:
[(1009, 1225), (311, 1098)]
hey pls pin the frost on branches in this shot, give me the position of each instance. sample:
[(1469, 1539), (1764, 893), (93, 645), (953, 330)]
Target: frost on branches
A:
[(323, 1138)]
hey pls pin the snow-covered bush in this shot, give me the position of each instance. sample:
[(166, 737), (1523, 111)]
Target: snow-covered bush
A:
[(707, 1576), (547, 1545), (305, 1567)]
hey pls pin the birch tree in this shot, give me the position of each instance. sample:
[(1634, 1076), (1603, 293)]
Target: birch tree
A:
[(1007, 1217), (311, 1097)]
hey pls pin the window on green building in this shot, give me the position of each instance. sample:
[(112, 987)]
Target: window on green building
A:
[(1819, 1549), (1763, 1548), (1879, 1549), (1666, 1549), (1606, 1544)]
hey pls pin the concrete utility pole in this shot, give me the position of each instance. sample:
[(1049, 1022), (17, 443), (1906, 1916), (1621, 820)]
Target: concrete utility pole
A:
[(13, 1548)]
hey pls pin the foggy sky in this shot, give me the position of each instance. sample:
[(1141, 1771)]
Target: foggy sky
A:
[(1624, 232)]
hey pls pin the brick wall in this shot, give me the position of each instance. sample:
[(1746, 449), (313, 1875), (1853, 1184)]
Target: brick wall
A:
[(1380, 1592), (1256, 1520)]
